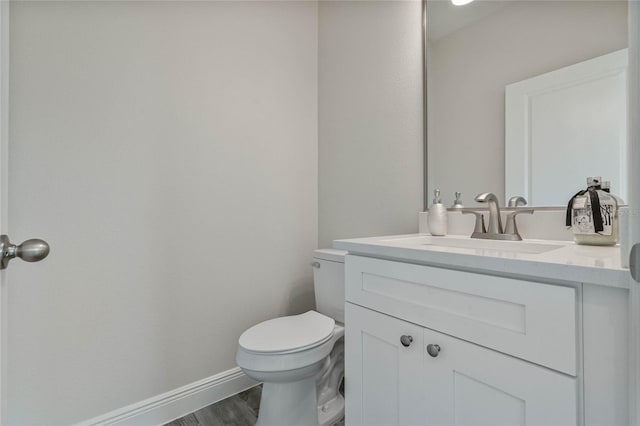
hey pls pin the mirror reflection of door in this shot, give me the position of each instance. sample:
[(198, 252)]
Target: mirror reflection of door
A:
[(566, 125)]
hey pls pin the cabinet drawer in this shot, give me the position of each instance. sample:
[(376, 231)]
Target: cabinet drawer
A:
[(532, 321)]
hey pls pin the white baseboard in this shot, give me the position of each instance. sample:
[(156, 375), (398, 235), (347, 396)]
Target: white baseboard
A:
[(176, 403)]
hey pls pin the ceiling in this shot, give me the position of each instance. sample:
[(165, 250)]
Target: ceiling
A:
[(443, 18)]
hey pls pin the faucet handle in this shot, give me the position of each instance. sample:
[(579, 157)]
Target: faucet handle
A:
[(517, 201), (479, 227), (512, 227)]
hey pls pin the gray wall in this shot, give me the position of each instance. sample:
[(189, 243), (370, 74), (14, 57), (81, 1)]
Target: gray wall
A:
[(370, 118), (469, 69), (174, 147)]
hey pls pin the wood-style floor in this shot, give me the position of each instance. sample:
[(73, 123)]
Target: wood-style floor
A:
[(238, 410)]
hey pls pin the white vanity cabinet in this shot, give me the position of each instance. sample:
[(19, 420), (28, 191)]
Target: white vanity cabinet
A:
[(463, 384), (511, 349)]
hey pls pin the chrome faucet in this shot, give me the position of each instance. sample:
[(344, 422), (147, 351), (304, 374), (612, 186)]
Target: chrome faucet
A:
[(495, 222), (495, 231)]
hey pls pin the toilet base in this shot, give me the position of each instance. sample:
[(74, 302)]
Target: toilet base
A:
[(331, 411), (330, 400), (289, 404)]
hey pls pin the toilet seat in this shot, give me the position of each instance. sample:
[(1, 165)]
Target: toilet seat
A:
[(311, 349), (289, 334)]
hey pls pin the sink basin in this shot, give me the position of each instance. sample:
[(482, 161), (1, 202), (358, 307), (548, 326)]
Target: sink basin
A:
[(461, 244)]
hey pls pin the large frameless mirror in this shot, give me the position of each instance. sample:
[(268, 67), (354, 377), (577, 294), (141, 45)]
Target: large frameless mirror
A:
[(525, 98)]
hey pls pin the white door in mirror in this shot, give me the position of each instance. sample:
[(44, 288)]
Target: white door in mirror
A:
[(573, 118)]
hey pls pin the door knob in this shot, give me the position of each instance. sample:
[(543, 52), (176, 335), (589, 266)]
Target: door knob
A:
[(634, 262), (406, 340), (434, 350), (32, 250)]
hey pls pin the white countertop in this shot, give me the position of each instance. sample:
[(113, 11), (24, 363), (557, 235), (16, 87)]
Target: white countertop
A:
[(565, 262)]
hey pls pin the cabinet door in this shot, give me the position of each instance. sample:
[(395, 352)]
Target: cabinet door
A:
[(382, 381), (471, 385)]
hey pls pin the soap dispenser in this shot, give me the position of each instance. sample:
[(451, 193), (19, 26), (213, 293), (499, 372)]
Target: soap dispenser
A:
[(457, 204), (437, 218)]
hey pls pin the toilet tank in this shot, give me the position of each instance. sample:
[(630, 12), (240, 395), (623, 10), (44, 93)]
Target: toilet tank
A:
[(328, 282)]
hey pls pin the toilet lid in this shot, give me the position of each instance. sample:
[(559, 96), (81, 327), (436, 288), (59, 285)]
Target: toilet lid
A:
[(286, 334)]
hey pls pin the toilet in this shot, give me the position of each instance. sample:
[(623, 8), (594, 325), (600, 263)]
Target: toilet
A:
[(300, 358)]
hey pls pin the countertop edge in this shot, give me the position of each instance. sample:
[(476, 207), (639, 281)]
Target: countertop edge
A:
[(533, 269)]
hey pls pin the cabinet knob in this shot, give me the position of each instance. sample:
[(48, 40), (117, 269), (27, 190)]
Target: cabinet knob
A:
[(406, 340), (433, 350)]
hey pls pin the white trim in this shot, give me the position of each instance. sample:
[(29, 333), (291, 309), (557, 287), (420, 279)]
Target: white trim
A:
[(176, 403), (634, 205), (4, 185)]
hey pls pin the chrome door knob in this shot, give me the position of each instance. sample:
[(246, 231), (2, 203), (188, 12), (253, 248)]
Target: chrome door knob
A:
[(32, 250), (406, 340), (634, 262), (433, 350)]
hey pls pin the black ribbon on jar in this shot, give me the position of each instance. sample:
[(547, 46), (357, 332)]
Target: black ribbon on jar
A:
[(595, 208)]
